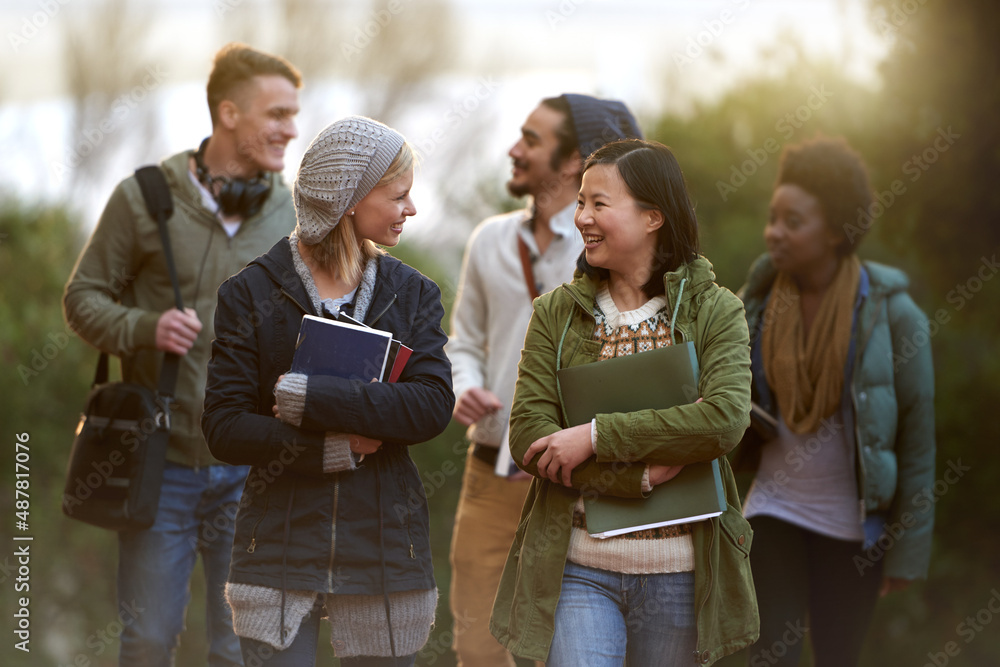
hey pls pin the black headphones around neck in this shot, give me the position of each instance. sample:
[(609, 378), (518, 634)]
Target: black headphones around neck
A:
[(236, 196)]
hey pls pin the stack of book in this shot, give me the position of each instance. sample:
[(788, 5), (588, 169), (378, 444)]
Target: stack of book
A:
[(349, 349)]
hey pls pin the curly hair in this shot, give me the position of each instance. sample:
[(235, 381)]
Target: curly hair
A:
[(836, 175)]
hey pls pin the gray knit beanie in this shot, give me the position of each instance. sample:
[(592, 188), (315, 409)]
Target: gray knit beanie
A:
[(342, 165)]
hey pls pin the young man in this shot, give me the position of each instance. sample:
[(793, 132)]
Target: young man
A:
[(230, 205), (489, 320)]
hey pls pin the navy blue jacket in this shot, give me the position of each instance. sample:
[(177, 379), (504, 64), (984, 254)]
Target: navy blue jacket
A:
[(297, 527)]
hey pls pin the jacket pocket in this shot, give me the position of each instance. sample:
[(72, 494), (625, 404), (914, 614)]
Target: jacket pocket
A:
[(252, 546), (736, 531), (736, 610)]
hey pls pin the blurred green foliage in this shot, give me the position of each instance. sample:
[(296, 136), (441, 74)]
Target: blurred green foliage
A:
[(941, 76)]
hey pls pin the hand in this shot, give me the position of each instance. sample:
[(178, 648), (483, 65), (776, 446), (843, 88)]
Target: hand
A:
[(893, 585), (561, 452), (176, 331), (658, 474), (474, 404), (362, 445)]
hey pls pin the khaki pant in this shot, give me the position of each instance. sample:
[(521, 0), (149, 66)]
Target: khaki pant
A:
[(488, 512)]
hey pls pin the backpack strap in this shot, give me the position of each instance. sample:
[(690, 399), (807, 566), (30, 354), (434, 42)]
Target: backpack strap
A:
[(160, 204)]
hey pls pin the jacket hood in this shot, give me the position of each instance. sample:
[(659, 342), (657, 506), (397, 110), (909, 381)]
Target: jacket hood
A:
[(884, 280), (698, 277)]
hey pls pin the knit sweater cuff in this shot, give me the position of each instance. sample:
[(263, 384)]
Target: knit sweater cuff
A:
[(337, 453), (647, 487), (290, 394)]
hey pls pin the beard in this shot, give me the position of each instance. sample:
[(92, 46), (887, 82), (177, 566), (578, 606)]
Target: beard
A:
[(518, 189)]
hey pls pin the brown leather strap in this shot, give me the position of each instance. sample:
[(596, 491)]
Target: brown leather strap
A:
[(529, 274)]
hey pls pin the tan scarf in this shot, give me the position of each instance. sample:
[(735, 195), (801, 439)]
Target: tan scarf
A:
[(807, 375)]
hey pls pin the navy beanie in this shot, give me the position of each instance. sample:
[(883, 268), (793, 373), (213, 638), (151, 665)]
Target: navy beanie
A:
[(598, 122)]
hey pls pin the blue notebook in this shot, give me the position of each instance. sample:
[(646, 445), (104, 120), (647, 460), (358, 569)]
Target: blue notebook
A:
[(329, 347)]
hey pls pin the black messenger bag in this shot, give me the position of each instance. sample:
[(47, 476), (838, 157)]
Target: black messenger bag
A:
[(116, 465)]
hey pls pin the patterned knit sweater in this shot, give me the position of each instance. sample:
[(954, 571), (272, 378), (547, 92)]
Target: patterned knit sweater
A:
[(659, 550)]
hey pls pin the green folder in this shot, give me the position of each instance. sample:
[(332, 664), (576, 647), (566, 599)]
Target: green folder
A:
[(656, 379)]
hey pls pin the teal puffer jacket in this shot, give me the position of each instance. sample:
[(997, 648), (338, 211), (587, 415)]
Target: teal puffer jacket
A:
[(892, 405)]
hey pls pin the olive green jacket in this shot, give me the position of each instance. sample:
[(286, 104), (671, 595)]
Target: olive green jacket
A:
[(120, 286), (562, 325)]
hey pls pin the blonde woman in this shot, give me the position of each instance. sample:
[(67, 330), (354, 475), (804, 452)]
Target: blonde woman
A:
[(329, 524)]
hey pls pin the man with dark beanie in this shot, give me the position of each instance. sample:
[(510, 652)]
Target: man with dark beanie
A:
[(509, 260)]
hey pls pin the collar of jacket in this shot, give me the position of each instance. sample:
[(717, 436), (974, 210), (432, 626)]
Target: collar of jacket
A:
[(280, 268), (883, 280), (878, 282), (176, 169), (698, 277)]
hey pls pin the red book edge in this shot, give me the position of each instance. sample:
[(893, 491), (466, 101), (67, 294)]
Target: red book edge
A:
[(402, 356)]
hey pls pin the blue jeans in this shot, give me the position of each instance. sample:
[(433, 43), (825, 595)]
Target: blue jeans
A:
[(302, 651), (609, 619), (196, 514)]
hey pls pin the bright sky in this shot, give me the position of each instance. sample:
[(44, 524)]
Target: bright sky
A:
[(655, 55)]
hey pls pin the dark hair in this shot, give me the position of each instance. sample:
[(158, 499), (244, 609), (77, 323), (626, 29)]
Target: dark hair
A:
[(835, 174), (654, 179), (237, 64), (565, 133)]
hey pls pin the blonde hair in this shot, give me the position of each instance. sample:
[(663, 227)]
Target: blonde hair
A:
[(340, 250)]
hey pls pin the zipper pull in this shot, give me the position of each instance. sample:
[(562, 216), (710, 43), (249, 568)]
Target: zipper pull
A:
[(412, 555), (253, 545)]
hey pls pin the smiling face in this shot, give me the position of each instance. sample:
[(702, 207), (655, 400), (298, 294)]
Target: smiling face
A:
[(797, 236), (379, 217), (618, 234), (261, 118), (532, 172)]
